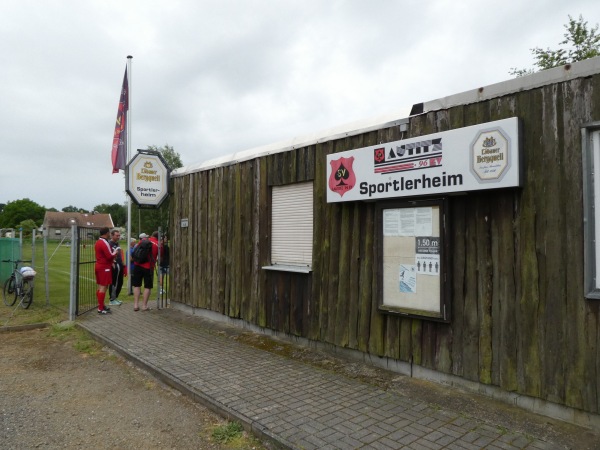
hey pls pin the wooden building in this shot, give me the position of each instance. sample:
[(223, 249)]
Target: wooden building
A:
[(514, 312)]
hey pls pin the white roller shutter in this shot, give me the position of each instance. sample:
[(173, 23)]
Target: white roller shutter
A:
[(292, 224)]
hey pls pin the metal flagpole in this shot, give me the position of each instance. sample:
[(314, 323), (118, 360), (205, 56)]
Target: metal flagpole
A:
[(130, 77)]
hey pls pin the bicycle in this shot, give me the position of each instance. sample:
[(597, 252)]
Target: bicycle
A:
[(19, 285)]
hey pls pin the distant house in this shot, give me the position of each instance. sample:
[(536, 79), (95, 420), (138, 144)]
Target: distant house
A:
[(58, 224)]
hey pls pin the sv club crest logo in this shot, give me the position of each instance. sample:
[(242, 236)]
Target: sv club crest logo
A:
[(342, 177)]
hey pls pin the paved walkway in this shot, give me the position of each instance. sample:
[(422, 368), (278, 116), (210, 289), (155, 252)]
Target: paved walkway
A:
[(299, 406)]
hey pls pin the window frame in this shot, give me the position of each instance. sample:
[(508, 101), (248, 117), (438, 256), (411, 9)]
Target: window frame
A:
[(590, 139), (443, 314), (290, 265)]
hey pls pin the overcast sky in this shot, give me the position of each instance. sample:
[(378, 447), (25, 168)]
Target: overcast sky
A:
[(211, 78)]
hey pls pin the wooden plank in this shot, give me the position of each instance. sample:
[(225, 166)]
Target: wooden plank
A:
[(470, 331), (345, 283), (247, 235), (189, 288), (550, 251), (405, 350), (333, 274), (264, 243), (284, 287), (391, 341), (581, 332), (192, 242), (323, 229), (377, 319), (444, 332), (367, 284), (355, 262), (504, 296), (528, 370), (296, 305), (203, 237), (484, 281), (313, 305)]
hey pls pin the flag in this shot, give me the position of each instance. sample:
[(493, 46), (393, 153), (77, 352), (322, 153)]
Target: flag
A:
[(119, 146)]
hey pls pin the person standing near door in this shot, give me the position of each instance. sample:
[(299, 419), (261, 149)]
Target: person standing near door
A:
[(118, 269), (105, 257)]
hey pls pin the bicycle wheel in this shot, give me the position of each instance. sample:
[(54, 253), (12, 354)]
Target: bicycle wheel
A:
[(9, 294), (27, 294)]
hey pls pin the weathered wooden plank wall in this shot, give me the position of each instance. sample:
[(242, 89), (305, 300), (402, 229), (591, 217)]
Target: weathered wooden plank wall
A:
[(519, 317)]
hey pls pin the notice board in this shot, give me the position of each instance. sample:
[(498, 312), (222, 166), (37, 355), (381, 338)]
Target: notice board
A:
[(412, 275)]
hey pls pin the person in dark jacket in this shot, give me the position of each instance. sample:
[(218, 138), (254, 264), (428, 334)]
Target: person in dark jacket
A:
[(164, 263), (118, 269), (143, 274)]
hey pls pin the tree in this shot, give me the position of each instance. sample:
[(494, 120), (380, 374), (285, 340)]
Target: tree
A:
[(117, 212), (169, 154), (583, 43), (19, 210), (72, 208), (27, 225)]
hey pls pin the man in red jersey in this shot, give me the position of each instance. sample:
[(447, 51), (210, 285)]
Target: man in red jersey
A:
[(143, 273), (105, 257)]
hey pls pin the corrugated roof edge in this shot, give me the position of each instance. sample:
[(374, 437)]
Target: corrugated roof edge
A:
[(349, 129), (579, 69), (576, 70)]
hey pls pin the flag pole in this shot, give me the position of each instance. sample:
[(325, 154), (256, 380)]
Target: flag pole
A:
[(129, 58)]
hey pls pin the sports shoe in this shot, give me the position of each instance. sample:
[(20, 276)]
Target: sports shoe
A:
[(104, 311), (114, 302), (107, 309)]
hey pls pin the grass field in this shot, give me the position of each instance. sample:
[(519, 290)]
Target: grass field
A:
[(49, 305)]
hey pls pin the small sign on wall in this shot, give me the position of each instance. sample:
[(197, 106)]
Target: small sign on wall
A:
[(184, 223)]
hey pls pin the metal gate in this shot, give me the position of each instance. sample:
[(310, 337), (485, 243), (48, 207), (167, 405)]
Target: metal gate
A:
[(83, 277)]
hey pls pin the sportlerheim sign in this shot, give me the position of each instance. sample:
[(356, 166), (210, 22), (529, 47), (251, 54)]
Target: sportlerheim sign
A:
[(484, 156)]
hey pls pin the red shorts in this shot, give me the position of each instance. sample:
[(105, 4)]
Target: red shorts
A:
[(103, 276)]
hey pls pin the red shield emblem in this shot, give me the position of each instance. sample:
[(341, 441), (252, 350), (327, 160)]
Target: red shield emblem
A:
[(342, 177), (379, 155)]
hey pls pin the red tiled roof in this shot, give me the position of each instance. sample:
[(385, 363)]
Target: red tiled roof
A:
[(57, 219)]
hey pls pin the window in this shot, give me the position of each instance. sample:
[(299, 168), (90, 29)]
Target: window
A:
[(591, 209), (292, 227)]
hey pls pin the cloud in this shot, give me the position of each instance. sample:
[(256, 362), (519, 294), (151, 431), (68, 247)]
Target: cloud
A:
[(215, 77)]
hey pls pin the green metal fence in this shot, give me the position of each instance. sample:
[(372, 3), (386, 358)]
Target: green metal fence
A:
[(9, 249)]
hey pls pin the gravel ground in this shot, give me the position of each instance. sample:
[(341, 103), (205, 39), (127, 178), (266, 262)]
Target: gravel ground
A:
[(53, 396)]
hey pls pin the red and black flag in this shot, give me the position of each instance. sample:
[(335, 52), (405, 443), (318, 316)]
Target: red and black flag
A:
[(119, 146)]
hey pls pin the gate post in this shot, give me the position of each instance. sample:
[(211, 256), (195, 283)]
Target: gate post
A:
[(46, 274), (73, 290)]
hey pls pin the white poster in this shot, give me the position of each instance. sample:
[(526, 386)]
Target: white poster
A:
[(423, 221), (391, 222), (407, 221), (427, 255), (408, 279)]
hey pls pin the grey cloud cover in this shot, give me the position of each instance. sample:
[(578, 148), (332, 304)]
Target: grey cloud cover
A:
[(216, 77)]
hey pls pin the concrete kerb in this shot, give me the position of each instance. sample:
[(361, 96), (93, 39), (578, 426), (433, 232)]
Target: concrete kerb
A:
[(31, 326), (249, 425)]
